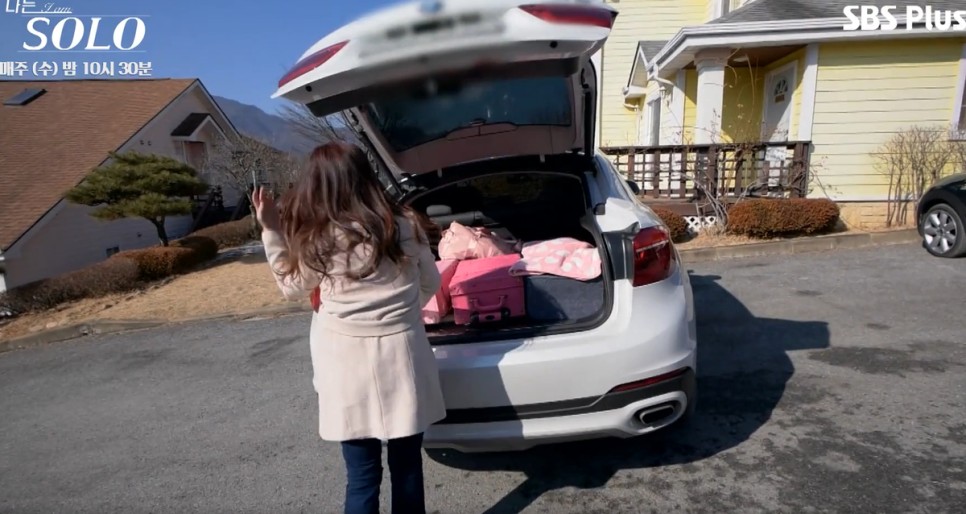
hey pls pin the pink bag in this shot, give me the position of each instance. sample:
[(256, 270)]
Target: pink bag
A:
[(462, 243), (440, 304), (483, 290)]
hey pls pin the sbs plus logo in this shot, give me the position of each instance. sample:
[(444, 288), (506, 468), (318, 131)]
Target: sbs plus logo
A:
[(886, 17)]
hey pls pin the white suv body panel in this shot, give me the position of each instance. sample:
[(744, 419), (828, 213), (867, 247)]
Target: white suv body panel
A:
[(651, 331)]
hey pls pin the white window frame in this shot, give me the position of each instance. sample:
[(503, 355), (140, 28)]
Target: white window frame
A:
[(958, 117), (721, 8)]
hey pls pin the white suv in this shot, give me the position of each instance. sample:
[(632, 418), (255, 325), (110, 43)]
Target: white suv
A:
[(483, 113)]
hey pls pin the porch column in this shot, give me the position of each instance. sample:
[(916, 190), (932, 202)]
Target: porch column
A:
[(711, 76)]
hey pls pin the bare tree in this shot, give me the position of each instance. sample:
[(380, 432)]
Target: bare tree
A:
[(912, 160), (958, 149), (316, 129), (338, 127), (243, 161)]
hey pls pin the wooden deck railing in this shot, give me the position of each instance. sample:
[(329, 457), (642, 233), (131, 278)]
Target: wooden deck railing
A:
[(687, 173)]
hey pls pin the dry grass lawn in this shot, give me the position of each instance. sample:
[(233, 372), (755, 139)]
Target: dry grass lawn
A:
[(708, 240), (238, 285)]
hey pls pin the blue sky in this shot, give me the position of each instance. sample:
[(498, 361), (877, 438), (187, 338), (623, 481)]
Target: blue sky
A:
[(239, 48)]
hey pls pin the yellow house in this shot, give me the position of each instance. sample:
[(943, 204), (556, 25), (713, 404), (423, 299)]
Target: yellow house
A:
[(784, 79)]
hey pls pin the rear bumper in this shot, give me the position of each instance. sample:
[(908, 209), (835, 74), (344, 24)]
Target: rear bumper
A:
[(610, 415), (514, 394)]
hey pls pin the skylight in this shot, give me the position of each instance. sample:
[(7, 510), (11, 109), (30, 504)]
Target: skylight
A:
[(25, 97)]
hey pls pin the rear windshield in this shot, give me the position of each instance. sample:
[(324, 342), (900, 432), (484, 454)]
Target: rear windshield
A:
[(531, 101)]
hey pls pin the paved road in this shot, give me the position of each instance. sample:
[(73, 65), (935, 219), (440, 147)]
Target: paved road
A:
[(829, 382)]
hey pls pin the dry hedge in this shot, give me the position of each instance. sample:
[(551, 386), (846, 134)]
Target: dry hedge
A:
[(763, 218), (675, 223), (124, 271), (230, 234), (101, 279), (164, 261)]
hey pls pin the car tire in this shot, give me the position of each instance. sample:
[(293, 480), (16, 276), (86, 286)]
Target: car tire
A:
[(943, 232)]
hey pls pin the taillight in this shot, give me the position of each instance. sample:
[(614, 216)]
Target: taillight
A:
[(310, 63), (647, 382), (653, 255), (575, 14)]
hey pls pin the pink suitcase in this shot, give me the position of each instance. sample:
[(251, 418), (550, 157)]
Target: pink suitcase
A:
[(484, 291), (440, 305)]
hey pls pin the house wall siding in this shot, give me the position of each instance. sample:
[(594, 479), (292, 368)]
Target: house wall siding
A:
[(690, 105), (865, 93), (73, 239), (70, 238), (637, 20), (742, 105)]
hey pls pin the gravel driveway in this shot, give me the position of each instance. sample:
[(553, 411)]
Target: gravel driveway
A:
[(829, 382)]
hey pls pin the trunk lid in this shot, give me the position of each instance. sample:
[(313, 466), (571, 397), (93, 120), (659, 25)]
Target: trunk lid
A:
[(435, 84)]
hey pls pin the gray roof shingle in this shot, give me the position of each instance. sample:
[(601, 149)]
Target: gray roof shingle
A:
[(650, 48), (782, 10)]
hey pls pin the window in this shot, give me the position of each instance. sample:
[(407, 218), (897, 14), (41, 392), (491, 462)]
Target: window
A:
[(781, 89), (723, 7), (195, 154), (24, 97), (410, 122)]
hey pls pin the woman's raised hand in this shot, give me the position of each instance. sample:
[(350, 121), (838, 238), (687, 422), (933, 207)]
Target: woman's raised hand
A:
[(266, 211)]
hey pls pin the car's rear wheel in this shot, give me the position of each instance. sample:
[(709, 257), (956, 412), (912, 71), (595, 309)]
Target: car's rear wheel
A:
[(942, 232)]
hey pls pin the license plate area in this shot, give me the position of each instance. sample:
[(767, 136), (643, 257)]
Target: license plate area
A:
[(434, 31)]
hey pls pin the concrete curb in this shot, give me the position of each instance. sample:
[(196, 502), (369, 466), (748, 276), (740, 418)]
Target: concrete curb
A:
[(795, 246), (264, 313), (103, 327), (69, 332), (787, 247)]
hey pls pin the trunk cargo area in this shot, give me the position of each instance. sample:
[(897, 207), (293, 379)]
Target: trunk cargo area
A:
[(530, 207)]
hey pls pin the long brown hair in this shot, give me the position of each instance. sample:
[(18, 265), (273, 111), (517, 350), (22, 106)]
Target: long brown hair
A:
[(337, 204)]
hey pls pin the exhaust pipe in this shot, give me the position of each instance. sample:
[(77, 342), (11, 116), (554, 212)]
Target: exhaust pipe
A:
[(657, 414)]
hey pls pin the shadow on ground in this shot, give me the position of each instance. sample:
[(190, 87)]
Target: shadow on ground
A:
[(743, 369)]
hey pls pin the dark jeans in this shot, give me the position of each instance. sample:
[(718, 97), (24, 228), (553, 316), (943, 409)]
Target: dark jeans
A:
[(363, 462)]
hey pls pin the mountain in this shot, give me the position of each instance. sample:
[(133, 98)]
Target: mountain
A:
[(269, 128)]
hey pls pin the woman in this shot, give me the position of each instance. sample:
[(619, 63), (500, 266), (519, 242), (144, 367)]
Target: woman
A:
[(374, 371)]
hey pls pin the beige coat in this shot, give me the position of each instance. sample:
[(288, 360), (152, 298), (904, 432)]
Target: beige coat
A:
[(374, 370)]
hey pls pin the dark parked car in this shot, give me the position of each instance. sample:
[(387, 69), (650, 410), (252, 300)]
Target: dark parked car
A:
[(941, 212)]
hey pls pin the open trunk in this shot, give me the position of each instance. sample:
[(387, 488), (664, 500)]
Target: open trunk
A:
[(445, 96), (530, 206)]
